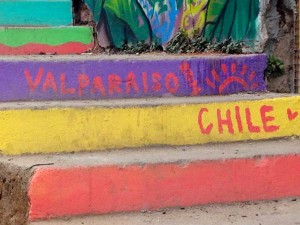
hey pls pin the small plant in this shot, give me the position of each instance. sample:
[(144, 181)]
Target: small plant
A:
[(198, 43), (275, 67), (227, 46), (182, 43), (140, 47), (234, 48)]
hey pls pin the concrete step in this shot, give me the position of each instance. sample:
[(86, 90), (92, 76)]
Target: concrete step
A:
[(265, 213), (41, 40), (39, 187), (72, 126), (105, 77), (36, 13)]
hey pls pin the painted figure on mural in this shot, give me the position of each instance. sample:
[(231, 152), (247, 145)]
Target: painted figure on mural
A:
[(131, 21)]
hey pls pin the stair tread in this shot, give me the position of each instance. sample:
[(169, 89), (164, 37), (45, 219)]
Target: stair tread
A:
[(159, 155), (140, 102), (266, 212), (104, 56)]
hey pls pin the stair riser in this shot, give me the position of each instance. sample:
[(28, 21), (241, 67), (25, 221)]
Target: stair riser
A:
[(44, 40), (56, 192), (36, 13), (104, 79), (68, 129)]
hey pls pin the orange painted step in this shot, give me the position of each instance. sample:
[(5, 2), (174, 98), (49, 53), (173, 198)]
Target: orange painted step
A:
[(119, 181)]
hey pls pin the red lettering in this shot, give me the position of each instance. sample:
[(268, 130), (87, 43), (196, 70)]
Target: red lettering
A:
[(172, 78), (266, 119), (145, 82), (33, 84), (83, 82), (131, 83), (63, 88), (185, 69), (156, 77), (292, 115), (227, 122), (98, 85), (114, 82), (208, 129), (238, 119), (224, 68), (49, 83), (251, 127)]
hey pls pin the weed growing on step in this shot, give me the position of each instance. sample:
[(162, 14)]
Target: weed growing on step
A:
[(275, 67), (141, 47), (182, 43)]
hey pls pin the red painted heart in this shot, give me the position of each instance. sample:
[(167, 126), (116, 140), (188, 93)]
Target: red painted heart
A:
[(292, 115)]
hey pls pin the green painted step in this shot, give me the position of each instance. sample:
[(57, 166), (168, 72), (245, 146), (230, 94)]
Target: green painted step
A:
[(35, 40), (36, 12), (17, 36)]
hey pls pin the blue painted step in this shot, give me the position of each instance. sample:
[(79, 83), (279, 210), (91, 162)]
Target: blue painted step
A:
[(36, 12)]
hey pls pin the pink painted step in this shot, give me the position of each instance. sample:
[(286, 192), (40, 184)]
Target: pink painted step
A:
[(119, 181)]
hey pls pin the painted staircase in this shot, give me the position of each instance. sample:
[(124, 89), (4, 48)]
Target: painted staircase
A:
[(85, 135)]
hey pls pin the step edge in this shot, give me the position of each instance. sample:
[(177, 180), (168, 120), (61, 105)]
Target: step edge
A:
[(158, 155), (143, 102), (120, 57)]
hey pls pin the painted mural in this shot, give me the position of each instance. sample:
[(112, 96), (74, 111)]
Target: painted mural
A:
[(131, 21)]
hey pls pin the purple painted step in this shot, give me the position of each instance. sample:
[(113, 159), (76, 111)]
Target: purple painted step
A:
[(103, 77)]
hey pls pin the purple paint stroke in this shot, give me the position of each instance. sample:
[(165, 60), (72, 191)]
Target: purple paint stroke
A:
[(214, 75)]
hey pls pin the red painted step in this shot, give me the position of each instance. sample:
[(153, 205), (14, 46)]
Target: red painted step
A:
[(118, 181)]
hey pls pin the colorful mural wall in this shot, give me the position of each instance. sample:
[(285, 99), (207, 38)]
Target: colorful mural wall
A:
[(125, 21), (131, 21)]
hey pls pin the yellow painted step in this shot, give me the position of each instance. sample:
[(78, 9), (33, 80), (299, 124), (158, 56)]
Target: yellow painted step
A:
[(48, 127)]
